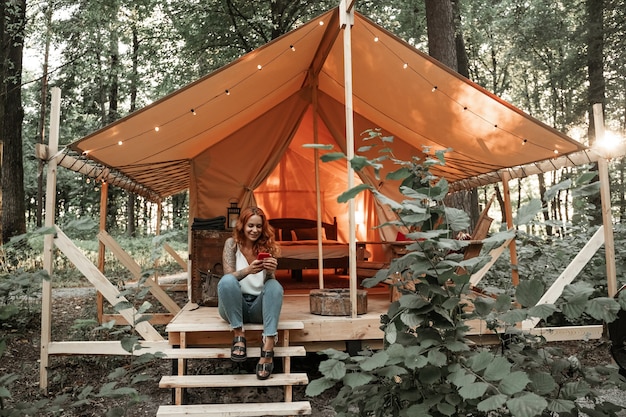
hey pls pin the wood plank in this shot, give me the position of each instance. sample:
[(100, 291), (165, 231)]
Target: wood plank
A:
[(102, 284), (135, 270), (224, 353), (155, 318), (109, 347), (568, 275), (180, 261), (236, 410), (567, 333), (225, 381)]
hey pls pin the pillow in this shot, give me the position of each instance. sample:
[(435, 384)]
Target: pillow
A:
[(306, 234)]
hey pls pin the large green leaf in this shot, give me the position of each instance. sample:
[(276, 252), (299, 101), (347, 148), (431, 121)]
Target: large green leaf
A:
[(377, 360), (356, 379), (575, 306), (514, 382), (332, 156), (481, 360), (603, 308), (317, 386), (429, 374), (333, 369), (492, 402), (542, 311), (472, 391), (461, 378), (560, 405), (526, 405), (351, 193), (527, 212), (575, 390), (456, 219), (542, 382), (529, 292), (437, 358), (497, 369), (553, 191)]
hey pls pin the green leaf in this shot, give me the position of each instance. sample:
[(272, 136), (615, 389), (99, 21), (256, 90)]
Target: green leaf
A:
[(391, 333), (542, 311), (332, 156), (483, 305), (383, 199), (497, 369), (413, 301), (399, 174), (430, 374), (473, 391), (446, 409), (575, 390), (414, 359), (603, 308), (421, 410), (4, 392), (456, 219), (377, 360), (529, 292), (527, 405), (351, 193), (492, 402), (553, 191), (461, 378), (514, 382), (317, 386), (391, 371), (481, 360), (575, 306), (543, 383), (527, 212), (356, 379), (333, 369), (437, 358), (560, 405), (514, 316)]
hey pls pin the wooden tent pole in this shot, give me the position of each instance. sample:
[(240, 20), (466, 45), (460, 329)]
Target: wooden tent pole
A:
[(318, 193), (46, 288), (346, 20), (104, 194), (509, 224), (605, 196)]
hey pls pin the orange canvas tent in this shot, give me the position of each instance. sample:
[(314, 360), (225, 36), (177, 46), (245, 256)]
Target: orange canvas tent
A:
[(238, 132)]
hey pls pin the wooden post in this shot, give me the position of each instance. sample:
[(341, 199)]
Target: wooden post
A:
[(346, 19), (605, 196), (48, 248), (509, 223), (104, 198)]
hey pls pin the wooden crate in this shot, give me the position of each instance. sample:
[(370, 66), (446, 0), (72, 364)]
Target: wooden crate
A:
[(205, 255)]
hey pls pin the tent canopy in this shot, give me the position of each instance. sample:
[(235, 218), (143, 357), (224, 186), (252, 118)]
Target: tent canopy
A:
[(238, 132)]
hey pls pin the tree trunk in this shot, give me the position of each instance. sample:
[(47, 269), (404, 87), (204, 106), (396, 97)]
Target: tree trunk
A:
[(42, 116), (12, 21), (595, 67)]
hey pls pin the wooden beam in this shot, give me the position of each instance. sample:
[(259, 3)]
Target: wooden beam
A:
[(102, 284), (50, 214), (494, 254), (605, 196), (509, 223), (568, 275), (104, 197), (135, 270), (179, 260)]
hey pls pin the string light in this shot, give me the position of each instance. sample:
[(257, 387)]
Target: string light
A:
[(524, 142), (556, 152), (259, 67), (375, 38), (227, 92), (405, 65), (156, 128), (293, 48), (193, 112), (434, 88), (119, 142)]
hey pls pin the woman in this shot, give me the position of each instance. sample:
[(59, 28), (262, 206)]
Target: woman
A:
[(249, 292)]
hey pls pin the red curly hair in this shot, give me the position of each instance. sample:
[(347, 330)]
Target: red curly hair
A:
[(266, 242)]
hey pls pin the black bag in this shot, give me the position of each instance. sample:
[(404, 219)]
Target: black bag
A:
[(208, 297)]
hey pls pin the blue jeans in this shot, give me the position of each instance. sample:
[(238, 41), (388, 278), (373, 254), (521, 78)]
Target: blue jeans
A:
[(238, 308)]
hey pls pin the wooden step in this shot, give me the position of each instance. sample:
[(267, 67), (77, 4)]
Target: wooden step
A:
[(200, 324), (224, 381), (240, 410), (217, 353)]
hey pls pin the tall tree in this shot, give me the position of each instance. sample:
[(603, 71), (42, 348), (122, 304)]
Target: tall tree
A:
[(12, 30)]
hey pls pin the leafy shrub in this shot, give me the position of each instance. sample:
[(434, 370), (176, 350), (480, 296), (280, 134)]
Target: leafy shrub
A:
[(428, 366)]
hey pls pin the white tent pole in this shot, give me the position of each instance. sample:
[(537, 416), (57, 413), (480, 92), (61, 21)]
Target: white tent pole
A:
[(605, 196), (346, 20), (46, 286), (318, 192)]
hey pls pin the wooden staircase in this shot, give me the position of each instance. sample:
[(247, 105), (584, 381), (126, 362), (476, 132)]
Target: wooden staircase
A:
[(287, 379)]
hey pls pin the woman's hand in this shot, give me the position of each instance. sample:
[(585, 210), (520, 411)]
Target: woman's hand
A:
[(255, 267), (270, 264)]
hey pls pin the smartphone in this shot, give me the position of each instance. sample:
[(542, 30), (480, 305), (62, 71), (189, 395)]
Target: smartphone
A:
[(263, 255)]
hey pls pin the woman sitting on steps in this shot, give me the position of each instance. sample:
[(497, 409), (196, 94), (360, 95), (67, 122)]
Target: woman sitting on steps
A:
[(249, 291)]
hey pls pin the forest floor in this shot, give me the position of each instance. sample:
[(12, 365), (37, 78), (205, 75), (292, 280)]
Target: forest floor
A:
[(70, 374)]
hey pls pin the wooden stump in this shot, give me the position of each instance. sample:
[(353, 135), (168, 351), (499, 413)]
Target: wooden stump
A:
[(336, 302)]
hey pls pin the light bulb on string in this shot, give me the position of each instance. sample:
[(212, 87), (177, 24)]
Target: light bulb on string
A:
[(119, 142), (434, 88), (227, 92), (259, 67), (524, 142), (293, 48), (156, 128), (375, 38), (405, 65), (193, 112)]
